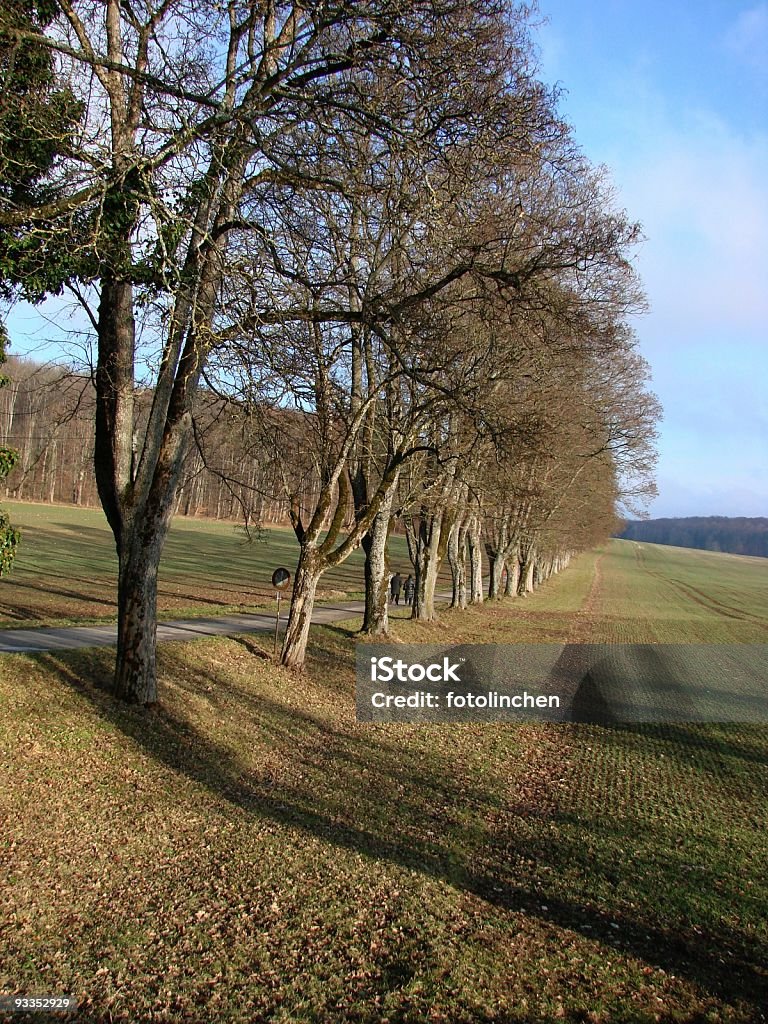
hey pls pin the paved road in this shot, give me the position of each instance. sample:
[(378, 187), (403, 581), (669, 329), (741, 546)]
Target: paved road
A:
[(63, 638)]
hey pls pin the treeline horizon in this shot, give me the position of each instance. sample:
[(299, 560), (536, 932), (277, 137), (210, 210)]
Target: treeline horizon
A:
[(47, 417), (735, 535)]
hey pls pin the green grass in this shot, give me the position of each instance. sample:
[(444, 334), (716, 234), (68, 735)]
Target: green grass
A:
[(657, 594), (630, 593), (249, 852), (66, 568), (545, 616)]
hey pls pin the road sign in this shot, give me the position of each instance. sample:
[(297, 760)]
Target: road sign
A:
[(280, 579)]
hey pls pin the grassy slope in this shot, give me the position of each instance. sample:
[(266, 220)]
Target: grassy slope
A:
[(250, 852), (669, 595), (66, 568)]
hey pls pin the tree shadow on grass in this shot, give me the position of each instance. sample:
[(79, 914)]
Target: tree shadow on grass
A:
[(78, 595), (365, 790), (342, 631), (736, 741), (252, 647)]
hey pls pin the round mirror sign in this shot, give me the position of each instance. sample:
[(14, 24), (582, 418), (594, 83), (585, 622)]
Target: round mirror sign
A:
[(280, 579)]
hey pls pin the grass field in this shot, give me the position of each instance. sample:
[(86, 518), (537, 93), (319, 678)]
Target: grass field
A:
[(249, 852), (655, 594), (66, 568)]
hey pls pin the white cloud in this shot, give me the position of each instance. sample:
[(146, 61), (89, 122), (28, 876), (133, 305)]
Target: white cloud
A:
[(700, 193), (747, 38)]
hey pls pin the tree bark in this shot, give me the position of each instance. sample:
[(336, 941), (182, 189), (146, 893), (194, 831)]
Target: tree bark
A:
[(457, 559), (434, 552), (136, 665), (513, 576), (308, 573), (496, 572), (376, 618), (429, 552), (525, 585), (143, 532), (475, 562), (416, 536)]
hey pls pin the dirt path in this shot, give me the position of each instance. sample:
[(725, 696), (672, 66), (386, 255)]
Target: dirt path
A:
[(582, 629)]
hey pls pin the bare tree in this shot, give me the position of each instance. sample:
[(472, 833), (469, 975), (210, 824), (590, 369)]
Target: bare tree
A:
[(188, 108)]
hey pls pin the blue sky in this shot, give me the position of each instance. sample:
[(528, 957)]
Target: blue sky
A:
[(673, 98)]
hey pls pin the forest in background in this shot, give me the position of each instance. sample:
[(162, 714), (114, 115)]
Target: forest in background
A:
[(736, 535), (47, 414)]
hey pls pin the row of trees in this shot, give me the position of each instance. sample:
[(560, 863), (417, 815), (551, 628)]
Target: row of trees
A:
[(364, 235)]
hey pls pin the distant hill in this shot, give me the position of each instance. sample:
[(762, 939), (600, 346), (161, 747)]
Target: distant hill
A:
[(738, 536)]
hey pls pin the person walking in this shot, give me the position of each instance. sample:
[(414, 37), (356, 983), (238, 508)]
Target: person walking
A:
[(395, 586), (409, 589)]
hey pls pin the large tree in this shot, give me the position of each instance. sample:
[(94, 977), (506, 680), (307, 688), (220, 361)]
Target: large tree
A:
[(345, 321)]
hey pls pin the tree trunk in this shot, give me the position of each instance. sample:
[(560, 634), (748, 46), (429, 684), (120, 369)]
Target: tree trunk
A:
[(513, 576), (78, 492), (52, 471), (457, 559), (418, 541), (136, 668), (418, 560), (475, 562), (136, 672), (463, 557), (432, 567), (525, 585), (429, 554), (307, 577), (497, 570), (376, 619), (138, 515)]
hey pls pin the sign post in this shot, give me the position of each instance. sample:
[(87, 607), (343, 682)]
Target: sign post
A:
[(280, 580)]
